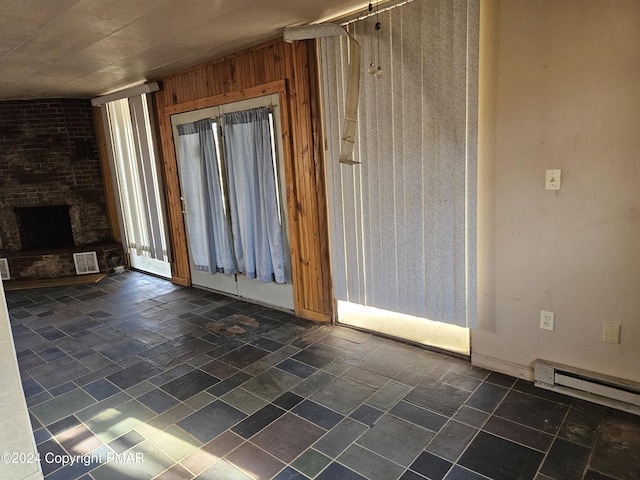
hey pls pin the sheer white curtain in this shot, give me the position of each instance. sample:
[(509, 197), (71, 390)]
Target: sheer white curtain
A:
[(203, 193), (253, 201)]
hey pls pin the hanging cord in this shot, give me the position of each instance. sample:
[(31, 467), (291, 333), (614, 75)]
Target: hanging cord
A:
[(372, 65), (378, 72), (371, 13)]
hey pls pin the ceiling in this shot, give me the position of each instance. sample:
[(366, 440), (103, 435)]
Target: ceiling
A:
[(87, 48)]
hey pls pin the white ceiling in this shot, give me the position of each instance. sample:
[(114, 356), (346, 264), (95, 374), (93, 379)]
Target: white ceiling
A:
[(86, 48)]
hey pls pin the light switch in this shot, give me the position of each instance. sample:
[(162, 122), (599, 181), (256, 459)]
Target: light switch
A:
[(553, 179)]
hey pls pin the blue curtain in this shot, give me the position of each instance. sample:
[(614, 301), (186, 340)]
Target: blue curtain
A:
[(255, 219), (206, 217)]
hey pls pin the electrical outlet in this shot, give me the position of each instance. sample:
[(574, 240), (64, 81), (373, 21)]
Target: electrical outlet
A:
[(547, 320)]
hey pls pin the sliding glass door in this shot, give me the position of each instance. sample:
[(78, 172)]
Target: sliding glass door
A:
[(136, 172), (231, 180), (402, 220)]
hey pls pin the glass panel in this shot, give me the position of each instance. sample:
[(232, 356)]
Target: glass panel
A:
[(137, 177)]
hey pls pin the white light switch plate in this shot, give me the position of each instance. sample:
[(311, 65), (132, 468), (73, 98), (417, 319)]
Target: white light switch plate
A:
[(553, 179)]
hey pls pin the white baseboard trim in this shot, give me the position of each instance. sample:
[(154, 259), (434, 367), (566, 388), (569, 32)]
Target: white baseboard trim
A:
[(34, 476), (502, 366)]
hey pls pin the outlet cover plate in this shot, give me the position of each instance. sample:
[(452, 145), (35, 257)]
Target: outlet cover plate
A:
[(547, 320), (611, 333)]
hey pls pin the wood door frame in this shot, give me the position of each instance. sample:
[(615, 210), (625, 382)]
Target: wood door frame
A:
[(290, 69), (171, 174), (250, 289)]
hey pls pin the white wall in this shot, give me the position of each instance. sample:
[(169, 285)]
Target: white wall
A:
[(15, 428), (559, 88)]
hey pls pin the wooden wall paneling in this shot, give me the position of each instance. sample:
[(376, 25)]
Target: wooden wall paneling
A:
[(201, 85), (280, 63), (297, 204), (238, 74), (212, 80), (258, 64), (245, 76), (178, 90), (188, 86), (298, 72), (316, 181), (255, 72), (165, 96), (230, 97), (219, 73), (175, 94), (180, 273), (319, 162), (306, 180), (291, 198), (231, 75), (268, 61)]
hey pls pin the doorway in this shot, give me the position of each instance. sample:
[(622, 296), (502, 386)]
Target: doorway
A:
[(402, 219), (136, 170), (231, 180)]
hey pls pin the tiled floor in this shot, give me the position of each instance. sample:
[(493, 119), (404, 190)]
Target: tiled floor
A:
[(181, 383)]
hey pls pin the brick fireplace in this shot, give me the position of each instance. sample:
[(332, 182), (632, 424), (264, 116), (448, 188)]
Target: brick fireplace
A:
[(51, 193)]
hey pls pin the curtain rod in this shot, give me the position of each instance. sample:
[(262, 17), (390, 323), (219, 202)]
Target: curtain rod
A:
[(375, 12)]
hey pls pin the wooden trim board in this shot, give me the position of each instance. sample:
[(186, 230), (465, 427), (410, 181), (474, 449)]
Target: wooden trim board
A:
[(12, 285)]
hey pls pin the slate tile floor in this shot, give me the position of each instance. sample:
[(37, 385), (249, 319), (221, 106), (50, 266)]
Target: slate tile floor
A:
[(187, 384)]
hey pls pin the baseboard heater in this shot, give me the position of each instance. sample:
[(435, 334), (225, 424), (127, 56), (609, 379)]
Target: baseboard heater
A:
[(602, 389)]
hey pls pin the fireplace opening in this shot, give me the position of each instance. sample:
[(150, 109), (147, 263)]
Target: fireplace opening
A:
[(44, 228)]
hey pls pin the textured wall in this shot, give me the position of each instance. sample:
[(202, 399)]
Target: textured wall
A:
[(559, 89)]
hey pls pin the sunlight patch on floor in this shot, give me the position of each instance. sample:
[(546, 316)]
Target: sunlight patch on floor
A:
[(414, 329)]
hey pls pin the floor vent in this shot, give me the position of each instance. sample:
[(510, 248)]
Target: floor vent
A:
[(594, 387), (4, 269), (86, 262)]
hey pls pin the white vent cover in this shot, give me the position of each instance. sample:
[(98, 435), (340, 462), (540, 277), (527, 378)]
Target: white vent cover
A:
[(4, 269), (594, 387), (86, 262)]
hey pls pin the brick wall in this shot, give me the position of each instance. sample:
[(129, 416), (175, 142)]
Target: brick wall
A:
[(57, 264), (48, 156)]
